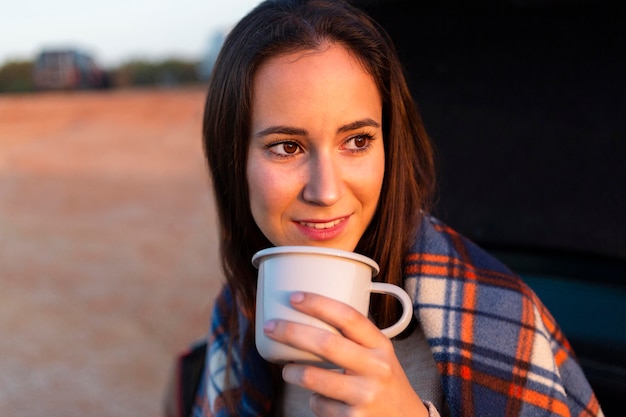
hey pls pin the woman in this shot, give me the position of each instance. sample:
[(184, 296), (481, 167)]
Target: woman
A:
[(312, 138)]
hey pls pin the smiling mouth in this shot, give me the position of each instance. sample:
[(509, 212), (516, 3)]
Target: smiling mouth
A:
[(325, 225)]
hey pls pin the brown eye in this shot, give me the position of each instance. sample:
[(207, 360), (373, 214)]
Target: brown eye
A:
[(285, 149), (360, 141), (290, 147)]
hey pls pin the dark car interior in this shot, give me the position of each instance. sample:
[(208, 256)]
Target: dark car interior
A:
[(526, 103)]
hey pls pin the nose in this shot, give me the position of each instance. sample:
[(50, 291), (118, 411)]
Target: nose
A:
[(324, 185)]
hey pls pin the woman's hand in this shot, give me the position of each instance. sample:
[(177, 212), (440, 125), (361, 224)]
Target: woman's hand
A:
[(373, 384)]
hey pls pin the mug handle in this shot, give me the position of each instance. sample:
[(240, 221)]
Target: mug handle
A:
[(407, 307)]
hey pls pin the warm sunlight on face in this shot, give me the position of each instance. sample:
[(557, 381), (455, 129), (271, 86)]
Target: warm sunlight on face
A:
[(316, 158)]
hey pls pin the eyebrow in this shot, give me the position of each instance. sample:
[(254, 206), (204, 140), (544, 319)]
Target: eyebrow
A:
[(295, 131)]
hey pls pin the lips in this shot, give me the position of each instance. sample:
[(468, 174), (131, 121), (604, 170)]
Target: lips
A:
[(322, 230), (322, 225)]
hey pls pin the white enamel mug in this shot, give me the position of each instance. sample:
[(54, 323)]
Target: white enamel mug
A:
[(341, 275)]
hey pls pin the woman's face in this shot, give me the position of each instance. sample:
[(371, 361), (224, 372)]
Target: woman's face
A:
[(316, 158)]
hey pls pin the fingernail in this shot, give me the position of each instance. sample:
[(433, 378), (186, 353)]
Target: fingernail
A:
[(296, 297), (269, 326)]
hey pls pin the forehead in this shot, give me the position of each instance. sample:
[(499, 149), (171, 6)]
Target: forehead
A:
[(329, 77), (333, 51)]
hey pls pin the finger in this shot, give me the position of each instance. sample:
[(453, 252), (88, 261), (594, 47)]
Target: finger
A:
[(327, 407), (350, 322), (331, 383), (332, 347)]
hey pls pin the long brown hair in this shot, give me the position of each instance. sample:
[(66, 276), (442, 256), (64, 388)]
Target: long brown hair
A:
[(278, 27)]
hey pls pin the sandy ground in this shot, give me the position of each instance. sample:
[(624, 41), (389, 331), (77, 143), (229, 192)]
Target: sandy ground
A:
[(108, 250)]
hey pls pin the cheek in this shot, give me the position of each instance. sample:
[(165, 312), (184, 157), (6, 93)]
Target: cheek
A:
[(372, 181), (267, 193), (375, 189), (257, 187)]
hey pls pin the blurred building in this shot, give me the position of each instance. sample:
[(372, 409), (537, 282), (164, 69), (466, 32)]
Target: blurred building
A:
[(67, 69)]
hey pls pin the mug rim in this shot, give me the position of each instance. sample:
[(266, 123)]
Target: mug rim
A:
[(316, 250)]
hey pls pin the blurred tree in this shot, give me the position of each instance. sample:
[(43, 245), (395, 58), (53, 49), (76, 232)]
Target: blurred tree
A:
[(146, 73), (16, 76)]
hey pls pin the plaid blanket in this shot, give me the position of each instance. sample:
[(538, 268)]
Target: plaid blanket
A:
[(497, 348)]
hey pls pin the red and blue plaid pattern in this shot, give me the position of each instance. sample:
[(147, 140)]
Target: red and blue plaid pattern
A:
[(498, 349)]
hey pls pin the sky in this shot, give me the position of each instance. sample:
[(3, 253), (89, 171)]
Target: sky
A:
[(115, 31)]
